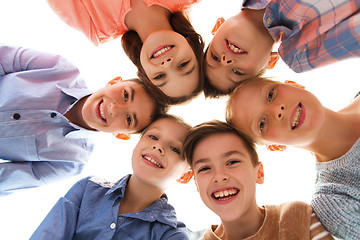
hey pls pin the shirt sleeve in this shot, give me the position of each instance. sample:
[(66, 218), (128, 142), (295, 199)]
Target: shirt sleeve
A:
[(317, 230), (15, 176), (27, 61), (61, 221)]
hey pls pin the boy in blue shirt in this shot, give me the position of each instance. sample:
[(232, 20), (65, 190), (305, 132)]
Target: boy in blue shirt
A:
[(47, 115)]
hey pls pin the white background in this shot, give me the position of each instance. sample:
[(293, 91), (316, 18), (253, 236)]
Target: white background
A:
[(289, 175)]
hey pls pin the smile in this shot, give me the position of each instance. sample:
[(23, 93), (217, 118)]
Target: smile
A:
[(152, 161), (298, 116), (225, 194), (235, 49), (102, 111), (161, 51)]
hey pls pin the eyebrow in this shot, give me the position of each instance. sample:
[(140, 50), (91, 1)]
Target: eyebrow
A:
[(202, 160), (135, 120), (161, 84), (132, 94)]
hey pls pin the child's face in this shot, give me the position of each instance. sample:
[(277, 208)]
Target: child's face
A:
[(277, 113), (225, 176), (170, 63), (238, 51), (123, 107), (156, 158)]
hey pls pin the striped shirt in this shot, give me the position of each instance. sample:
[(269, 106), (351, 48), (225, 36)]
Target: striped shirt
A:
[(313, 33)]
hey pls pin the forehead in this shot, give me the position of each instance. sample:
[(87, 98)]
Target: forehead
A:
[(170, 127), (219, 145)]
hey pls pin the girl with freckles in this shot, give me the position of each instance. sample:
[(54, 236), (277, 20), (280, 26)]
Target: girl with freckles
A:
[(284, 113)]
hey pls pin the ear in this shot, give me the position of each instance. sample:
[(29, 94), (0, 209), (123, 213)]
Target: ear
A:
[(186, 177), (114, 81), (122, 136), (260, 174), (274, 57), (218, 23), (197, 187), (295, 84), (276, 147)]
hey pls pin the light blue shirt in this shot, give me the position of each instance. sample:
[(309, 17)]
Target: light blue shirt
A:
[(90, 211), (38, 145)]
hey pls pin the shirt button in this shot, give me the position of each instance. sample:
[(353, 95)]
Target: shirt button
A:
[(53, 115), (268, 20), (112, 226), (16, 116)]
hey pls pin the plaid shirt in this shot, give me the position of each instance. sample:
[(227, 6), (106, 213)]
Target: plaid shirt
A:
[(313, 33)]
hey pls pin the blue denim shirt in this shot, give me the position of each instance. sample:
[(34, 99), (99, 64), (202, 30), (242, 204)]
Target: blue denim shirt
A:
[(38, 145), (90, 211)]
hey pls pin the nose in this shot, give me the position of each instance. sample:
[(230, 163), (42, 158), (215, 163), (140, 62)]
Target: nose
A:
[(279, 111), (158, 148), (225, 60), (220, 176), (116, 107), (166, 62)]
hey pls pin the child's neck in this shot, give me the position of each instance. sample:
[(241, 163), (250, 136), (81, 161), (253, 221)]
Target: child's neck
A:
[(338, 134), (242, 228), (138, 196), (146, 19), (74, 114)]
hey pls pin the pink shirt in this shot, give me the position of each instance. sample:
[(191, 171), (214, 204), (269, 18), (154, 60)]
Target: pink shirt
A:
[(104, 20)]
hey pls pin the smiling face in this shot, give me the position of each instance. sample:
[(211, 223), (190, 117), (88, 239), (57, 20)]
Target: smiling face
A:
[(170, 63), (226, 176), (272, 112), (239, 50), (123, 107), (156, 158)]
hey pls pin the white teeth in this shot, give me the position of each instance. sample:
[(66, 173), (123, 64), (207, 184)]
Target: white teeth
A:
[(296, 117), (161, 51), (235, 49), (102, 112), (227, 194), (153, 161)]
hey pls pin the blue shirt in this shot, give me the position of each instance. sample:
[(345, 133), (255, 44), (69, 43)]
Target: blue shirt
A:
[(90, 211), (313, 33), (38, 144)]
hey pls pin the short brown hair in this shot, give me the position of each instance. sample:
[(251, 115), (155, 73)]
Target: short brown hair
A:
[(179, 21), (203, 130), (169, 116)]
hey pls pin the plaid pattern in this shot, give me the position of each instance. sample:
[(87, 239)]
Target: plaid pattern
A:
[(313, 33)]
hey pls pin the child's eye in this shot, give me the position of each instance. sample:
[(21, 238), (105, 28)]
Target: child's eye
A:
[(128, 120), (159, 76), (153, 137), (126, 95), (237, 72), (262, 124), (176, 150), (203, 169), (215, 57), (270, 95), (232, 162), (183, 64)]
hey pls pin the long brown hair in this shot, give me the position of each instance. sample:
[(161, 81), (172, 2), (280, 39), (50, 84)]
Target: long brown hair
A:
[(132, 45)]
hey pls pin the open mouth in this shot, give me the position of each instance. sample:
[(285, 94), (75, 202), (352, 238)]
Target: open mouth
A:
[(234, 48), (102, 110), (225, 194), (298, 116), (151, 160), (161, 50)]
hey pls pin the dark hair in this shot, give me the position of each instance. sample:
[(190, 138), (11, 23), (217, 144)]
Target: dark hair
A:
[(161, 107), (210, 91), (132, 45), (203, 130)]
